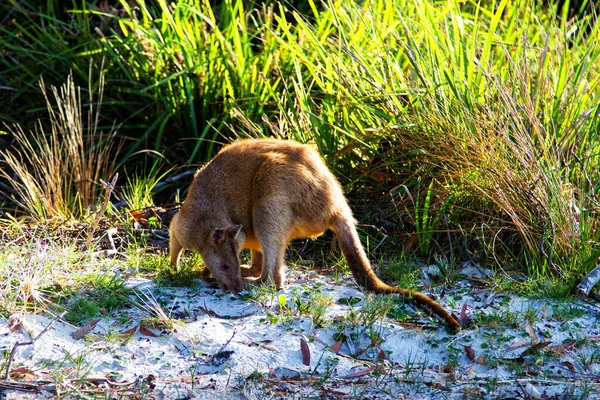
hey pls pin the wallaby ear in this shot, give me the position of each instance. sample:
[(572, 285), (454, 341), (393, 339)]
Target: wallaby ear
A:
[(218, 235), (234, 230)]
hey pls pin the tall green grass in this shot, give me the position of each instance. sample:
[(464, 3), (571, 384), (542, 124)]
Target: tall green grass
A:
[(495, 107), (198, 68)]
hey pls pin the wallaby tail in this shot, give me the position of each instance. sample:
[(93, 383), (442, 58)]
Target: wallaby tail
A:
[(361, 269)]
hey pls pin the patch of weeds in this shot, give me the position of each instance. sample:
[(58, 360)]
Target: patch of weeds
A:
[(374, 308), (304, 301), (400, 313), (332, 263), (363, 318), (537, 286), (566, 312), (82, 310), (138, 190), (587, 360), (275, 305), (30, 272), (159, 265), (413, 368), (99, 294), (403, 270), (312, 303), (158, 317), (330, 366), (497, 319)]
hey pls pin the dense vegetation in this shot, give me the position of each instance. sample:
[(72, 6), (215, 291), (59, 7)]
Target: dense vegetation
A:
[(461, 130)]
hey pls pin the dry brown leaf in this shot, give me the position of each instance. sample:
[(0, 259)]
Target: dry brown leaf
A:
[(128, 333), (266, 344), (536, 347), (22, 373), (470, 353), (15, 321), (336, 347), (569, 365), (464, 318), (517, 344), (359, 373), (305, 352), (448, 369), (147, 332), (438, 386), (531, 332), (84, 330)]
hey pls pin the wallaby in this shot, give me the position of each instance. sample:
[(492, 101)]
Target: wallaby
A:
[(259, 194)]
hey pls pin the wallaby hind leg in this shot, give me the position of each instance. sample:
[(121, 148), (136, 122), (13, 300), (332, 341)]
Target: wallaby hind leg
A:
[(256, 266)]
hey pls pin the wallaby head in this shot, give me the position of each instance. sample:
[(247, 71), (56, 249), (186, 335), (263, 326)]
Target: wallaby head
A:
[(221, 256), (219, 244)]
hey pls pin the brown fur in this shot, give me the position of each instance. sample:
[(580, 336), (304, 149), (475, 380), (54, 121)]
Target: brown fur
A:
[(259, 194)]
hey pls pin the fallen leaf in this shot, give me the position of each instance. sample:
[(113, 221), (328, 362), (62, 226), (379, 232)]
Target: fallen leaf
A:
[(22, 372), (569, 365), (381, 356), (285, 373), (128, 333), (535, 348), (438, 386), (411, 243), (147, 332), (84, 330), (213, 314), (517, 344), (531, 332), (470, 353), (305, 352), (336, 347), (264, 344), (448, 369), (15, 321), (464, 318), (359, 373)]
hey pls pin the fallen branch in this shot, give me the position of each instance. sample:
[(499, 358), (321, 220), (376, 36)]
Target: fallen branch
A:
[(586, 285), (32, 341), (176, 178)]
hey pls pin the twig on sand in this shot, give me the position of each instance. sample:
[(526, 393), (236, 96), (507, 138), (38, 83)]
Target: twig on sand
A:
[(28, 343)]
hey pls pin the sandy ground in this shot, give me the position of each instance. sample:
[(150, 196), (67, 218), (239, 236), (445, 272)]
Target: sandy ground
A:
[(223, 346)]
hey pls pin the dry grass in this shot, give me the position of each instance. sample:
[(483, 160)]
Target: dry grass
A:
[(56, 174)]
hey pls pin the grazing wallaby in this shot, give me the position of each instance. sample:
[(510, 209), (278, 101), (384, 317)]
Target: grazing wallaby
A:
[(259, 194)]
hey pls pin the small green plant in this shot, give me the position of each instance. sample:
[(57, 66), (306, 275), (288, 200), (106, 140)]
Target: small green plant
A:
[(186, 273), (138, 190), (566, 311), (311, 302), (157, 314), (498, 319), (98, 294)]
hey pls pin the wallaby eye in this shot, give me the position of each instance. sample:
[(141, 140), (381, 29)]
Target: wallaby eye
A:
[(226, 266)]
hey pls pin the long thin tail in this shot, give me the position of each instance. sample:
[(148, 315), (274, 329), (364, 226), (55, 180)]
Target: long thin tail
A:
[(363, 273)]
